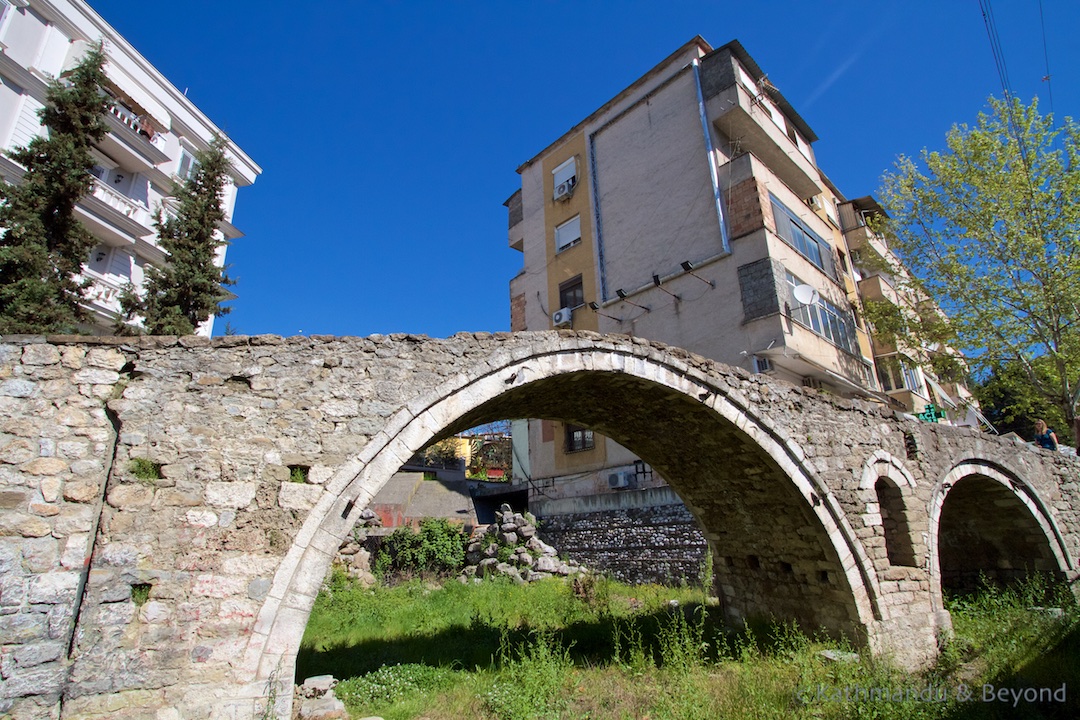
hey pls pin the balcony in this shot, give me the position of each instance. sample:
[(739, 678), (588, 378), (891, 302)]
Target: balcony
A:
[(876, 287), (103, 296), (132, 140), (745, 119), (121, 203), (862, 239), (114, 218), (515, 230)]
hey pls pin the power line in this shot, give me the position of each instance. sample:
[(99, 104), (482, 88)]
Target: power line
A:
[(1046, 58), (1003, 76)]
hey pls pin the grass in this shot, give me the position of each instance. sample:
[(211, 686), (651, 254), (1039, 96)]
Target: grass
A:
[(552, 650)]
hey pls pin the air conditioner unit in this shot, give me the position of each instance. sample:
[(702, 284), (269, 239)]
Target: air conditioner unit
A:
[(564, 190), (621, 479), (564, 317), (814, 202), (812, 383)]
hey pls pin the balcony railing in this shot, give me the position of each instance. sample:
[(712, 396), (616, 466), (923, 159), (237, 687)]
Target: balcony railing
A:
[(121, 203)]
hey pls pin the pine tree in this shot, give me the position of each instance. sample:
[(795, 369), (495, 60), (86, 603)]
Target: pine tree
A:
[(184, 293), (43, 245)]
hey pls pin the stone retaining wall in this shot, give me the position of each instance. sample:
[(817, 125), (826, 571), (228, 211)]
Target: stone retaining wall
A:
[(660, 544)]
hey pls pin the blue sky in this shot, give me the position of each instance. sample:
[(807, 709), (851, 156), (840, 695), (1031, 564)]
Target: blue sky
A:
[(389, 132)]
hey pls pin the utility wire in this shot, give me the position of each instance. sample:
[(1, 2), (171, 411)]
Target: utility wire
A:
[(1046, 58), (1003, 76)]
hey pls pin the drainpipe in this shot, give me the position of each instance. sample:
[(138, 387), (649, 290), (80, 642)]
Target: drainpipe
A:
[(717, 196)]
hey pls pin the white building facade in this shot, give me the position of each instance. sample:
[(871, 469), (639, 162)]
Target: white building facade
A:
[(154, 133)]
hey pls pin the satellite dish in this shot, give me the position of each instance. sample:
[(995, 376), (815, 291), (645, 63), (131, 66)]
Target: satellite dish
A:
[(805, 294)]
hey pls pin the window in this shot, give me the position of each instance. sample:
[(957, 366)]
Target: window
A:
[(578, 438), (899, 373), (568, 234), (824, 318), (187, 165), (571, 294), (795, 233), (566, 176)]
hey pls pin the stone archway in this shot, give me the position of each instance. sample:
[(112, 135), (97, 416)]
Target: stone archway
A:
[(784, 546), (985, 521)]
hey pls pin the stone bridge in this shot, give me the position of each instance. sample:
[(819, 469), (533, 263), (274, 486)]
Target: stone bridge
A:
[(186, 596)]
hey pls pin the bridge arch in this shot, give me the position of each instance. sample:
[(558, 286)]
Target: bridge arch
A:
[(777, 526), (890, 495), (986, 519)]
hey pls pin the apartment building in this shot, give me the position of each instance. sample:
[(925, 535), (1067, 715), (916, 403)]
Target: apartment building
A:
[(904, 371), (154, 133), (690, 209)]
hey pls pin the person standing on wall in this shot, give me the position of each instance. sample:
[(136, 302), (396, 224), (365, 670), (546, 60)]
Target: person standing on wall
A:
[(1045, 437)]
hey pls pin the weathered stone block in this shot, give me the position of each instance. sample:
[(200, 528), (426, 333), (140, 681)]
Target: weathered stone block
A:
[(201, 518), (17, 388), (39, 554), (96, 376), (44, 680), (230, 494), (219, 586), (130, 496), (53, 588), (38, 653), (44, 466), (298, 496), (18, 451), (50, 489), (40, 354), (107, 358), (10, 499), (12, 590), (24, 627), (81, 491), (21, 524), (73, 519), (74, 553)]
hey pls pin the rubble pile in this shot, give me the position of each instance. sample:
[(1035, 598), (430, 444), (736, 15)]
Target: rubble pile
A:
[(510, 547)]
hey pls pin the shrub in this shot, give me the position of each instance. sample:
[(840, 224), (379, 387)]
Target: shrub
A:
[(438, 547), (391, 684)]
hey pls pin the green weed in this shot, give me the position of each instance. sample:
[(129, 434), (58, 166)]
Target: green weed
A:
[(145, 470)]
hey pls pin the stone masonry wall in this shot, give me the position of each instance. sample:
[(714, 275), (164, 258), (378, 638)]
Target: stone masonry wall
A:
[(56, 448), (660, 544)]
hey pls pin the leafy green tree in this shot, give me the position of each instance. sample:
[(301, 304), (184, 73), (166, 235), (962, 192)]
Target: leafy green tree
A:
[(1008, 403), (184, 293), (990, 230), (43, 245)]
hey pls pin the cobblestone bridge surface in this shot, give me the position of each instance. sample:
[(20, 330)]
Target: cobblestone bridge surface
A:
[(186, 596)]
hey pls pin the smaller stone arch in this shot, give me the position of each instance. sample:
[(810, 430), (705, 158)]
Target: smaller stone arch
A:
[(1033, 531), (884, 464), (888, 489)]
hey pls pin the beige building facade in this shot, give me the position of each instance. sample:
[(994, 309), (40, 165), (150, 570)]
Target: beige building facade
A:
[(690, 209)]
